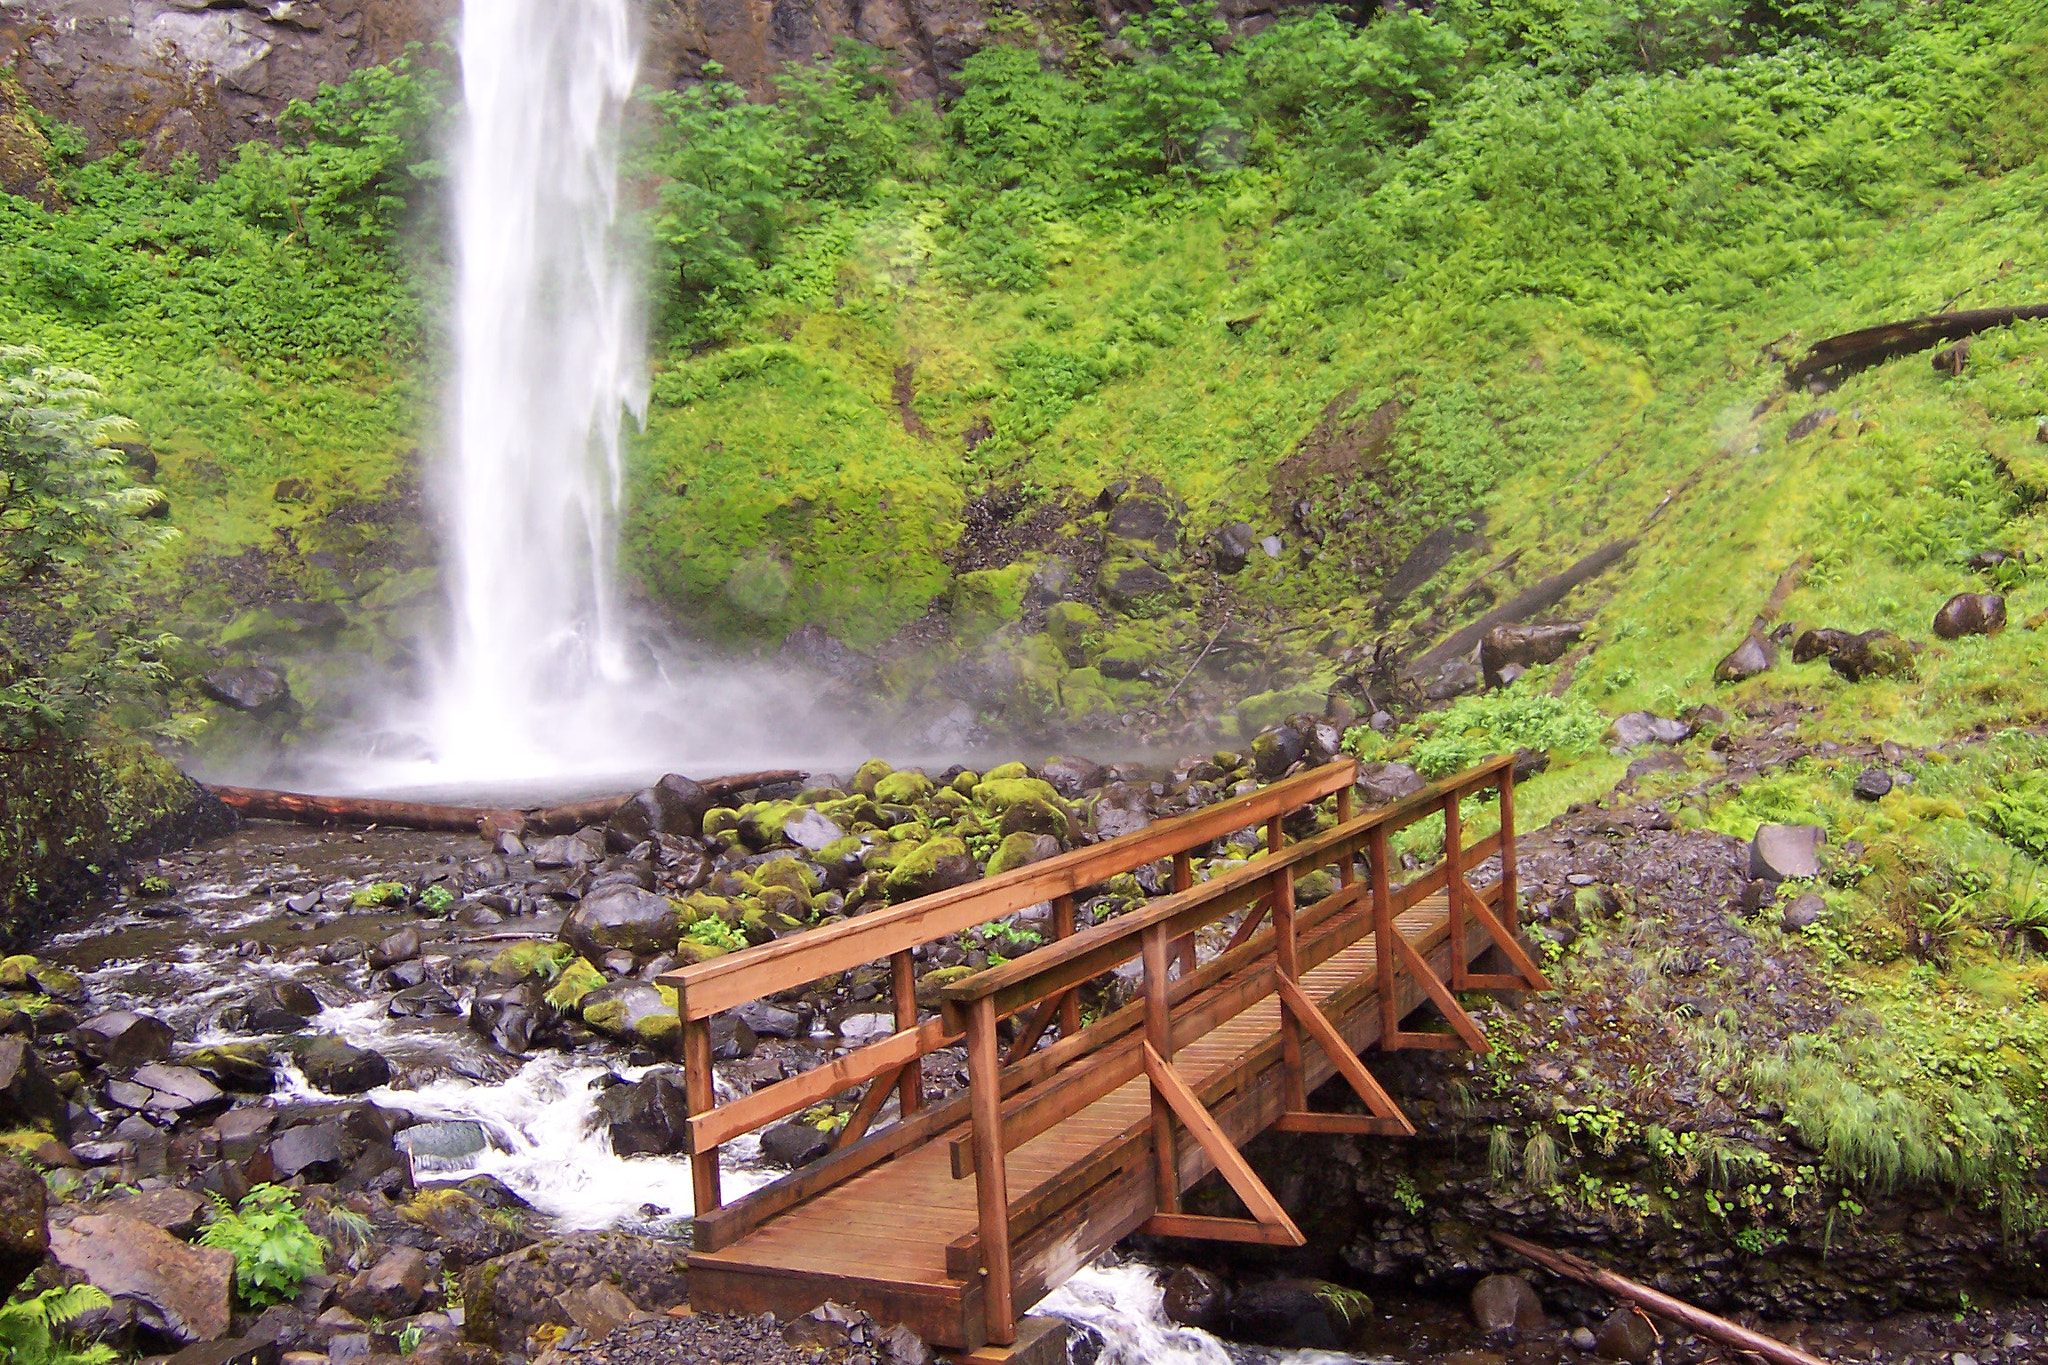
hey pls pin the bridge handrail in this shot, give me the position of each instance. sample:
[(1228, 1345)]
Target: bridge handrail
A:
[(1023, 981), (731, 979)]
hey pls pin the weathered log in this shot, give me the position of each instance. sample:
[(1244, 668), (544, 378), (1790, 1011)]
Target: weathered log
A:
[(1833, 358), (1662, 1305), (257, 803)]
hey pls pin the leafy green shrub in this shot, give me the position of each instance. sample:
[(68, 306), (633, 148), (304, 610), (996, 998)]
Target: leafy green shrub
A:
[(1170, 113), (379, 894), (436, 899), (1517, 718), (28, 1328), (714, 932), (274, 1249)]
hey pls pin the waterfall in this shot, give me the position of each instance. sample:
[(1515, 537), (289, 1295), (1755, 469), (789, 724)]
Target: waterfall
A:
[(549, 362)]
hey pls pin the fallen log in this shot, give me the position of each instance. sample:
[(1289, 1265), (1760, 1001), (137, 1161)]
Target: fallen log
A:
[(1834, 358), (1662, 1305), (256, 803)]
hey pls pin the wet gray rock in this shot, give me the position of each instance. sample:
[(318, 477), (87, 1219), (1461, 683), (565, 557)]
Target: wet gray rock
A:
[(507, 1297), (1872, 784), (1872, 654), (341, 1068), (402, 946), (314, 1150), (1196, 1298), (1753, 656), (252, 689), (650, 1115), (466, 1230), (1503, 1305), (27, 1095), (24, 1228), (443, 1144), (428, 1000), (1637, 728), (1276, 749), (1230, 546), (176, 1211), (1382, 784), (178, 1290), (1299, 1315), (391, 1288), (1070, 775), (245, 1067), (1823, 642), (178, 1090), (1970, 613), (272, 1007), (123, 1038), (812, 829), (1524, 647), (1454, 679), (624, 917), (793, 1143), (1122, 808), (1149, 520), (250, 1350), (772, 1021), (511, 1016)]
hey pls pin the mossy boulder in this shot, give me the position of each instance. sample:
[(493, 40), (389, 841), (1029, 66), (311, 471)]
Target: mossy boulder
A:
[(577, 980), (761, 824), (934, 865), (932, 982), (633, 1009), (868, 774), (1135, 588), (1075, 628), (982, 601), (1004, 772), (1020, 850), (903, 788)]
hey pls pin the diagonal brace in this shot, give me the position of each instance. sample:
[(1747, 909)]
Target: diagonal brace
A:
[(1387, 1116), (1439, 994), (1230, 1163), (1524, 965)]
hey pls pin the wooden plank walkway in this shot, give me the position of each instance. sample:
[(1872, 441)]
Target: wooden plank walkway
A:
[(904, 1221)]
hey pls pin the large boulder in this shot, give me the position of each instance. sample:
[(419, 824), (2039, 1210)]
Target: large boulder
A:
[(1135, 588), (391, 1288), (340, 1067), (1753, 656), (1122, 808), (1970, 613), (24, 1226), (1503, 1305), (512, 1016), (1070, 775), (27, 1096), (1524, 647), (178, 1290), (466, 1230), (1195, 1298), (1382, 784), (936, 865), (624, 917), (632, 1009), (272, 1007), (1230, 546), (674, 805), (1277, 749), (506, 1298), (1149, 520), (1823, 642), (123, 1038), (1299, 1315), (650, 1115), (1873, 654), (1785, 852), (1627, 1335), (1637, 728)]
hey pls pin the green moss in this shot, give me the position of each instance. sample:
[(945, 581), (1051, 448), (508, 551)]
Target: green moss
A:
[(1013, 852), (868, 774), (903, 788), (577, 980), (542, 958), (913, 873)]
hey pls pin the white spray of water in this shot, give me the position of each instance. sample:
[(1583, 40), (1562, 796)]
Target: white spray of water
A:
[(1125, 1305), (549, 366)]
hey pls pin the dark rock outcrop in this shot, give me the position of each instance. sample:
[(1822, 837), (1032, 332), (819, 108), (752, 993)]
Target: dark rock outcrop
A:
[(1524, 646), (507, 1297), (178, 1290), (625, 917), (24, 1229)]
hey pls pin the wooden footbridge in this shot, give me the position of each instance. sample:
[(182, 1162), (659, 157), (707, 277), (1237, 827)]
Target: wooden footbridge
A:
[(967, 1211)]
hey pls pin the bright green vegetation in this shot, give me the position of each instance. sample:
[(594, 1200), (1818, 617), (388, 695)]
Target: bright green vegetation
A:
[(274, 1249), (30, 1329)]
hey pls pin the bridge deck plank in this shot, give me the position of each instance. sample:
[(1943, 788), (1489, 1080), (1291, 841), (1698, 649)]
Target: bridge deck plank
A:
[(881, 1236)]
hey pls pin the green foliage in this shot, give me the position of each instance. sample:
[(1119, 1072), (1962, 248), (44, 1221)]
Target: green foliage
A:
[(436, 900), (29, 1328), (1170, 112), (379, 894), (714, 932), (2017, 811), (72, 536), (1495, 722), (274, 1249)]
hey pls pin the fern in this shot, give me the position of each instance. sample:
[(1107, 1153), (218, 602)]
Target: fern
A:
[(28, 1328), (274, 1249)]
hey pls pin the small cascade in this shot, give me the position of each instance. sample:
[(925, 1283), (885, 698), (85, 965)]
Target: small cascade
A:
[(1118, 1311)]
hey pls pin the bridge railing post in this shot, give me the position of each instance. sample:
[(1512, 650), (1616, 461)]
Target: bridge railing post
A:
[(1070, 1003), (700, 1095), (1510, 905), (1454, 841), (903, 987), (1383, 930), (1159, 1033), (991, 1179)]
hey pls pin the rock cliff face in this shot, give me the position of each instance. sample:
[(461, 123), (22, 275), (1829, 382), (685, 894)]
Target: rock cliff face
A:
[(197, 76), (201, 76)]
